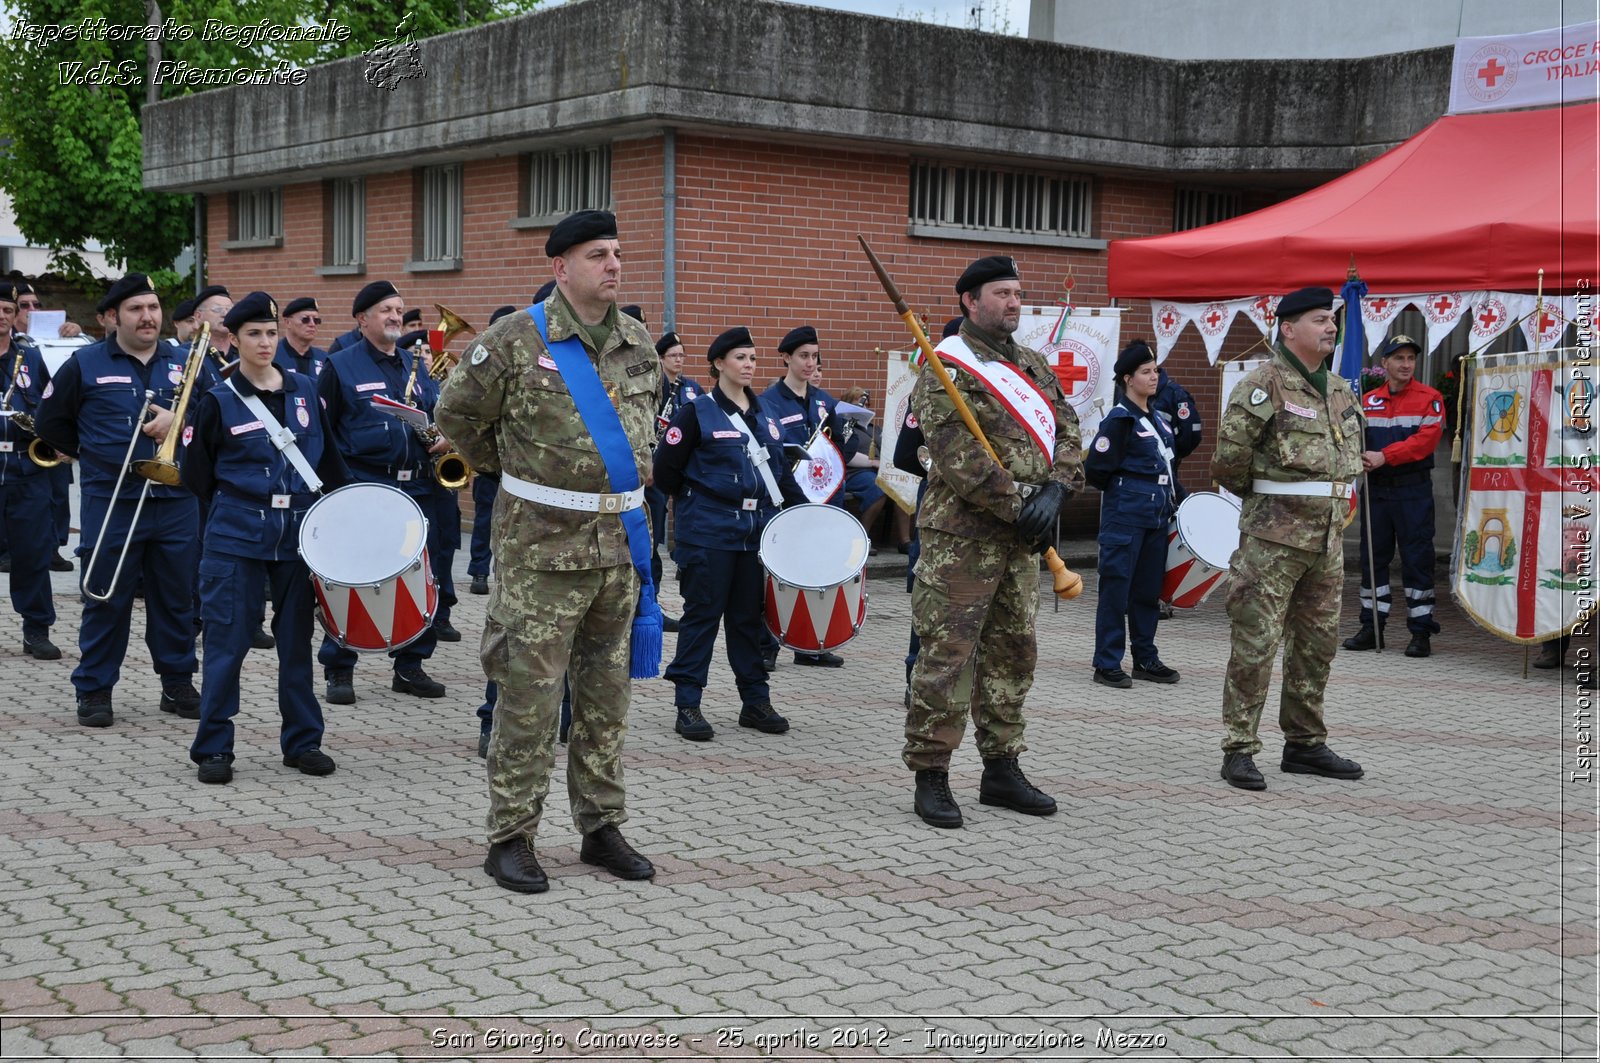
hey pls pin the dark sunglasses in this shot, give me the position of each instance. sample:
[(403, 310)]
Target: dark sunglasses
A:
[(310, 319)]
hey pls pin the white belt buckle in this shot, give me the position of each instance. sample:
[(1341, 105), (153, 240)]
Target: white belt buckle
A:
[(404, 476), (281, 501), (749, 504)]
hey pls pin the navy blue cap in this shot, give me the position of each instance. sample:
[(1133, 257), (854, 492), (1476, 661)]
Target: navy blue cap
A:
[(667, 341), (1132, 357), (544, 291), (738, 336), (981, 272), (305, 302), (500, 313), (257, 306), (797, 337), (129, 286), (371, 296)]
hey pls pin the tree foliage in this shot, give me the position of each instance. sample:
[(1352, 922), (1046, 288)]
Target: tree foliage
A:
[(70, 137)]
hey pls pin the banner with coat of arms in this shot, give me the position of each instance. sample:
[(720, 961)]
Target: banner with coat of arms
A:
[(1523, 565), (1081, 345)]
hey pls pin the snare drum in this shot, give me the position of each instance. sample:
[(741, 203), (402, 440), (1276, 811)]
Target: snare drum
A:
[(816, 597), (367, 548), (1200, 541)]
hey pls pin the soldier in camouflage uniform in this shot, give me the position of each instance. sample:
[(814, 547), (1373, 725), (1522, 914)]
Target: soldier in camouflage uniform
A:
[(977, 580), (1290, 444), (568, 590)]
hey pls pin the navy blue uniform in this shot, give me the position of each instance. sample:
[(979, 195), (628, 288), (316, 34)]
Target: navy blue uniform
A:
[(485, 488), (352, 338), (1177, 408), (309, 364), (25, 505), (1406, 427), (93, 406), (1139, 498), (252, 539), (673, 398), (722, 507), (381, 449)]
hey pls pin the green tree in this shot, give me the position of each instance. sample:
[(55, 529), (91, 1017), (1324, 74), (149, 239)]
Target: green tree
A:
[(69, 124), (1470, 544)]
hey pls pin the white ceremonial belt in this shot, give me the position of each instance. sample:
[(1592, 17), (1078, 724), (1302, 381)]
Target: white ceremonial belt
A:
[(585, 501), (1306, 488)]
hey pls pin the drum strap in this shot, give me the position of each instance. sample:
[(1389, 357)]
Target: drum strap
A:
[(281, 437), (761, 459), (1165, 452)]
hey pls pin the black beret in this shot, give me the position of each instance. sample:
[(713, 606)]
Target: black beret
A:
[(738, 336), (544, 291), (371, 296), (981, 272), (500, 313), (9, 292), (633, 311), (257, 306), (1132, 357), (129, 286), (411, 339), (796, 337), (1296, 303), (410, 316), (951, 327), (667, 341), (185, 310), (24, 288), (1399, 342), (305, 302), (207, 292), (580, 228)]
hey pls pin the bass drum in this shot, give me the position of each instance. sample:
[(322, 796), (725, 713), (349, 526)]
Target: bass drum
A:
[(367, 548), (816, 591)]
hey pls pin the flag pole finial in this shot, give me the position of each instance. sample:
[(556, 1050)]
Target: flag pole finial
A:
[(1352, 273)]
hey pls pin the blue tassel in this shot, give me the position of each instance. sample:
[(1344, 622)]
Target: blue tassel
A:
[(645, 655)]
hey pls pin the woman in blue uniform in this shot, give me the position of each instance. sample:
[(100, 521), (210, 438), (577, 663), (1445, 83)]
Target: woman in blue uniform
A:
[(258, 495), (722, 458), (1130, 461)]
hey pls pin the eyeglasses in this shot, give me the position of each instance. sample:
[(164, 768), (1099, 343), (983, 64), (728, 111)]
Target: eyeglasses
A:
[(310, 319), (30, 306)]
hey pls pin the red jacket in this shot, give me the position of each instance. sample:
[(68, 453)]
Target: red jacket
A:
[(1405, 426)]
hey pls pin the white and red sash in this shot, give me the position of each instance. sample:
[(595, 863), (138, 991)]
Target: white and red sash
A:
[(1011, 388)]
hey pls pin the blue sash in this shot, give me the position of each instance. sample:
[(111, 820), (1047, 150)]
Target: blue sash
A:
[(605, 427)]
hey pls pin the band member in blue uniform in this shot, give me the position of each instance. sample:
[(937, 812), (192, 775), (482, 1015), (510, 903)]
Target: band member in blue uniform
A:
[(60, 476), (485, 488), (799, 406), (297, 342), (258, 493), (91, 409), (381, 449), (722, 459), (1130, 461), (676, 390), (24, 485)]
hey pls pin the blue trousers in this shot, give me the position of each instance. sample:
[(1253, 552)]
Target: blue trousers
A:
[(25, 513), (161, 556), (229, 615), (484, 490), (656, 501), (336, 658), (719, 587), (1133, 562), (1403, 517), (447, 514), (61, 501)]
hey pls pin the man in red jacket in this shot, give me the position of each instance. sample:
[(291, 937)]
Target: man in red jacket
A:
[(1405, 419)]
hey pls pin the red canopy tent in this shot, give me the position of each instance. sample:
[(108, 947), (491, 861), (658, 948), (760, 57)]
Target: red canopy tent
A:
[(1479, 201)]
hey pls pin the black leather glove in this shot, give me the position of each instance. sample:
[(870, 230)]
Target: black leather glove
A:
[(1039, 512)]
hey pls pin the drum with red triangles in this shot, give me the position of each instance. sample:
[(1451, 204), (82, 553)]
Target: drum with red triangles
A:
[(816, 596)]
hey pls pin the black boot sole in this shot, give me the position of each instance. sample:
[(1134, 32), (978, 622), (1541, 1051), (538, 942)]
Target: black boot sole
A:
[(516, 887), (942, 824), (1292, 768), (1032, 810), (404, 686)]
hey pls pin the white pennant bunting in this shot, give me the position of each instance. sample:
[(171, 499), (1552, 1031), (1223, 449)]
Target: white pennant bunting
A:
[(1167, 320), (1544, 328), (1443, 311)]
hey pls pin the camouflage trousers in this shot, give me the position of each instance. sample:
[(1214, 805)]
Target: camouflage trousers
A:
[(1279, 594), (580, 628), (973, 607)]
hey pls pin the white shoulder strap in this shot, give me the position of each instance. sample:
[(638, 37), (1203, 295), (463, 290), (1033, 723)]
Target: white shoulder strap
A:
[(758, 455), (281, 437)]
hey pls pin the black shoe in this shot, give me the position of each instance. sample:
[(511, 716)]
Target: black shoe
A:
[(181, 699), (94, 709), (1549, 657), (1240, 770), (692, 725), (1004, 785), (483, 744), (819, 660), (216, 769), (1155, 672), (933, 801), (513, 865), (1113, 677), (1365, 639), (1164, 611), (1318, 760), (261, 638), (762, 717), (606, 848), (446, 631), (415, 681), (311, 761), (40, 648), (480, 585), (769, 661), (341, 687), (59, 563), (1419, 645), (5, 562), (669, 623)]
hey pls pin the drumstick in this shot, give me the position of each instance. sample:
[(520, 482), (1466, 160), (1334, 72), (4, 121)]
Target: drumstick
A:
[(1068, 584)]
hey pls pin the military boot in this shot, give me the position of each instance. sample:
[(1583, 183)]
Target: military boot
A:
[(934, 802), (1240, 770), (1005, 785), (341, 687), (1365, 639), (514, 866)]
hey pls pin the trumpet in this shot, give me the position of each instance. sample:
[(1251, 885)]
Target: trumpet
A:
[(450, 469), (162, 468), (451, 325), (40, 453)]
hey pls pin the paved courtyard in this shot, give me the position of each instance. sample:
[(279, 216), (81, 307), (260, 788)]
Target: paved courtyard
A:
[(1442, 906)]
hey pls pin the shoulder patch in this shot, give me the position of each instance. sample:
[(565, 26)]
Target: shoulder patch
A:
[(478, 355), (674, 436), (1257, 397), (1102, 444), (1435, 405), (1183, 411)]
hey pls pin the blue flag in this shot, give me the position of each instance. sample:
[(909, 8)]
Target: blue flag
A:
[(1353, 350)]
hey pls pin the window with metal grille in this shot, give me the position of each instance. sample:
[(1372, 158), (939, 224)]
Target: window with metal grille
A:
[(439, 216), (560, 182), (257, 217), (1194, 207), (347, 221), (948, 199)]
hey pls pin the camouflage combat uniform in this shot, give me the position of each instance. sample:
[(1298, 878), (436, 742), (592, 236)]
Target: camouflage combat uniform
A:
[(567, 591), (977, 582), (1287, 576)]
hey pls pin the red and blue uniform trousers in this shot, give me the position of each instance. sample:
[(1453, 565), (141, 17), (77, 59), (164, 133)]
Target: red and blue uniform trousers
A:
[(1401, 509)]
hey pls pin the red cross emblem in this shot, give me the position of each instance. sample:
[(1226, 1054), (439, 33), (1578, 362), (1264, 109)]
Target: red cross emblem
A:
[(1168, 320), (1487, 319), (1264, 304), (1491, 72), (1069, 372), (1444, 304), (1213, 319), (1378, 305), (1546, 322)]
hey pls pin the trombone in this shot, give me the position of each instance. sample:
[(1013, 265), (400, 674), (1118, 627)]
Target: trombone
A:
[(162, 468), (40, 453)]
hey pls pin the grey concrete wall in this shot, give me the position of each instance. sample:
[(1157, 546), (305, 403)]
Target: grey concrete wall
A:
[(792, 71)]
